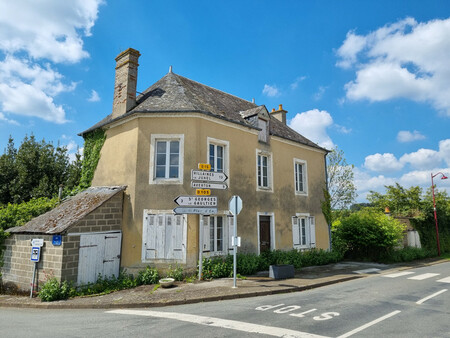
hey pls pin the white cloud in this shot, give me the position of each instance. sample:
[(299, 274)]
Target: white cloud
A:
[(94, 96), (422, 159), (444, 151), (407, 136), (5, 119), (271, 91), (405, 59), (34, 36), (319, 94), (294, 85), (313, 125), (382, 163)]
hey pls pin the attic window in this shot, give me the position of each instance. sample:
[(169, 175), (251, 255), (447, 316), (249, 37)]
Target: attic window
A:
[(263, 133)]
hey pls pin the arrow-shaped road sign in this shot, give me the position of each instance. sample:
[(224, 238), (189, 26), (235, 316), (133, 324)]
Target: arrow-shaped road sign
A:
[(210, 176), (205, 185), (196, 201), (198, 211)]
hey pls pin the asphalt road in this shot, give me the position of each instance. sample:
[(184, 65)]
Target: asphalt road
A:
[(410, 303)]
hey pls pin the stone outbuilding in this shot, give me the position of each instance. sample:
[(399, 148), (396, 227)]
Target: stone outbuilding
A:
[(82, 238)]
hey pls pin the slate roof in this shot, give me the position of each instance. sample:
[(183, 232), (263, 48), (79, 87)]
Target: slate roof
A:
[(175, 93), (69, 212)]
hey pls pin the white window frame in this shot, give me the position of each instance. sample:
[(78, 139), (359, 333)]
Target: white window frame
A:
[(226, 152), (269, 188), (227, 229), (272, 230), (304, 192), (309, 232), (166, 137)]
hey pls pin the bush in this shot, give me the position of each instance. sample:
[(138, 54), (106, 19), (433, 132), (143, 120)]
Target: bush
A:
[(407, 254), (54, 290), (366, 234), (148, 276), (175, 273)]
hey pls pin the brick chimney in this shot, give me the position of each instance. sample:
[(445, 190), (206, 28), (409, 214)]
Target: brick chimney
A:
[(279, 114), (125, 82)]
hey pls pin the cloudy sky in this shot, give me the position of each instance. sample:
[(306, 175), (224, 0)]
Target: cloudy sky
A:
[(372, 78)]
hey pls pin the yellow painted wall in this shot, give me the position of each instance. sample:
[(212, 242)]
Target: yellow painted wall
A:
[(125, 160)]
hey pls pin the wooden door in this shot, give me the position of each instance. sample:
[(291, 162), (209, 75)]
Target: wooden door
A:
[(264, 233)]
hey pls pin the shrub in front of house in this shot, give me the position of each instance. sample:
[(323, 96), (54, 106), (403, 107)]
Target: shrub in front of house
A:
[(367, 235)]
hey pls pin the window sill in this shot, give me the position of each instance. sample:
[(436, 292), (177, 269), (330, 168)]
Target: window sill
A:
[(264, 189), (166, 181)]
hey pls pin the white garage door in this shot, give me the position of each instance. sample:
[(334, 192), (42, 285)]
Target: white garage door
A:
[(99, 254)]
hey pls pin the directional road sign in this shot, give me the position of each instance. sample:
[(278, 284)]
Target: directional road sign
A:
[(199, 211), (205, 185), (210, 176), (196, 201), (202, 192)]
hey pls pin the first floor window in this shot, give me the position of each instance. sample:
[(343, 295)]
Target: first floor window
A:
[(300, 177), (263, 171), (303, 232), (216, 157), (167, 159)]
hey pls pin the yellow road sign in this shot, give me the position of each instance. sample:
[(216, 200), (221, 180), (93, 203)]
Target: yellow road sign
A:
[(204, 166), (203, 192)]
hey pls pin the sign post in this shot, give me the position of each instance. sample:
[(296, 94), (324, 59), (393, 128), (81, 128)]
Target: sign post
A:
[(35, 256), (235, 207)]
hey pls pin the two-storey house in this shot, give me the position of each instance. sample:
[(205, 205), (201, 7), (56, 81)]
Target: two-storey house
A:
[(154, 140)]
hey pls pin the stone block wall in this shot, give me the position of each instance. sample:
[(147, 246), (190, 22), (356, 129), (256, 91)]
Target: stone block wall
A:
[(17, 269)]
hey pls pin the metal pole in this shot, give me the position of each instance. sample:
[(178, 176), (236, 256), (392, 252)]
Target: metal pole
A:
[(200, 248), (435, 217), (32, 281), (235, 242)]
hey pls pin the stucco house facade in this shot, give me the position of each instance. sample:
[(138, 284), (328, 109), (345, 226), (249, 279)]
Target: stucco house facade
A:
[(154, 140)]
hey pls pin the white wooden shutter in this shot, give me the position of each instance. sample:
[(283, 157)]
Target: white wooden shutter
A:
[(160, 236), (312, 231), (150, 245), (206, 233), (230, 232), (168, 234), (178, 233), (295, 232)]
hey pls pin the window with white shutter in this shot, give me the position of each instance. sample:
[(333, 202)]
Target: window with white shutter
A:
[(165, 237), (303, 231)]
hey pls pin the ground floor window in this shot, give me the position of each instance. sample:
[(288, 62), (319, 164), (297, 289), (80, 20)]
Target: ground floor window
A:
[(303, 231), (217, 234), (164, 237)]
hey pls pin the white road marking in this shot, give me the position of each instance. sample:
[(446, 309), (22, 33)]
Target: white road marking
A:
[(424, 276), (423, 300), (367, 270), (373, 322), (444, 280), (398, 274), (218, 322)]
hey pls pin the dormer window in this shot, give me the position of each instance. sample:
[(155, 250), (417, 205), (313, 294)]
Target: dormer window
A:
[(263, 134)]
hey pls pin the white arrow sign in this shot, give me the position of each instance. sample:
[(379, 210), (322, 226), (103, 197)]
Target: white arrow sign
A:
[(213, 176), (204, 185), (199, 211), (196, 201)]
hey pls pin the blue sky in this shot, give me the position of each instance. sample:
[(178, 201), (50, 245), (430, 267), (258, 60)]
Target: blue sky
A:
[(371, 77)]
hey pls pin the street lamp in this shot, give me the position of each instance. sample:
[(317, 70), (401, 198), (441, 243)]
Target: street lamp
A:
[(443, 177)]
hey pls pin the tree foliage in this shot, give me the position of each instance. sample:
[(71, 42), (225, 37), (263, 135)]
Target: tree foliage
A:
[(340, 180), (35, 170), (400, 201)]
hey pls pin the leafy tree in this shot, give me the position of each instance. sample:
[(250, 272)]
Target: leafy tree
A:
[(400, 201), (36, 169), (340, 180), (8, 172)]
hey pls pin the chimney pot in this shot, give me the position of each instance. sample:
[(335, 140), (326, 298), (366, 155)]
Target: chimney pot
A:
[(273, 110), (280, 107), (279, 114)]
